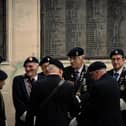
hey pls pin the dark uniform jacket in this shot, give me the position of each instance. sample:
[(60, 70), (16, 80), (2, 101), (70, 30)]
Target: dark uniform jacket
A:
[(121, 83), (42, 75), (122, 87), (103, 106), (2, 111), (69, 74), (20, 98), (55, 112)]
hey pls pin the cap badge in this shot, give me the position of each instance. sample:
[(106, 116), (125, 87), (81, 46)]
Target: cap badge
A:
[(48, 59), (116, 52), (77, 53), (30, 58)]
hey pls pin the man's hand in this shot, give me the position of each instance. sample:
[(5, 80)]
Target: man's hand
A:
[(122, 104), (23, 116), (73, 122)]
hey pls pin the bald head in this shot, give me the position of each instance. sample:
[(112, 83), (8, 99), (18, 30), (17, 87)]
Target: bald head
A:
[(54, 70)]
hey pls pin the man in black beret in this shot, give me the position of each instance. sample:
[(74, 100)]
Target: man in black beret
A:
[(3, 77), (54, 112), (96, 66), (57, 63), (119, 73), (21, 89), (102, 108), (31, 59), (43, 64), (117, 52), (76, 72)]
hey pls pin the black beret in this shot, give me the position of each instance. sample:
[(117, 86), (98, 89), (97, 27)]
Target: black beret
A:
[(45, 59), (117, 52), (31, 59), (3, 75), (57, 63), (96, 66), (77, 51)]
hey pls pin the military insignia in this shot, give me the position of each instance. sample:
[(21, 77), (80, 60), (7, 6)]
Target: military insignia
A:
[(85, 88), (48, 59), (30, 59), (72, 76), (116, 52), (122, 87), (121, 80), (77, 53), (82, 76)]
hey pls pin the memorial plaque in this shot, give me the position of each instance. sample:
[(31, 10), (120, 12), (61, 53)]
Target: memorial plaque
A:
[(96, 28), (116, 31), (95, 25), (53, 27), (62, 26)]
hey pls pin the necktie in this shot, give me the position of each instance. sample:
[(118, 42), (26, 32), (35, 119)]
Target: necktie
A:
[(30, 83), (76, 75), (116, 75)]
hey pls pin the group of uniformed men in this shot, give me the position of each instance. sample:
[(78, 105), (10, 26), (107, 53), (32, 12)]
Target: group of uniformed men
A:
[(76, 95)]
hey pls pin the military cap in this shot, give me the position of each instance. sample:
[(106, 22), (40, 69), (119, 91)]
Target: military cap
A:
[(31, 59), (45, 59), (117, 52), (96, 66), (57, 63), (77, 51), (3, 75)]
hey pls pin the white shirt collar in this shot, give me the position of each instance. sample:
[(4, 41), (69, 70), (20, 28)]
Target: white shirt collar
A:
[(119, 71), (36, 77), (80, 69)]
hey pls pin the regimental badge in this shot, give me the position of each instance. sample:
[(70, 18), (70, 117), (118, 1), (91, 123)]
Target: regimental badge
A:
[(48, 59), (84, 85), (122, 87), (82, 76), (72, 76), (116, 52), (30, 59), (85, 88), (121, 80), (77, 53)]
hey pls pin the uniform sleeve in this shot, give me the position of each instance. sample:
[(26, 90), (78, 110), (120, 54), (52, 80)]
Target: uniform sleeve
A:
[(34, 107), (17, 96)]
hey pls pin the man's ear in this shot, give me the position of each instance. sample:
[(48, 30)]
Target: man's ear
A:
[(123, 58), (61, 71)]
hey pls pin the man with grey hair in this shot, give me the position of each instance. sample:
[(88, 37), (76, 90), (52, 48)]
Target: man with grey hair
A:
[(21, 89), (76, 72)]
